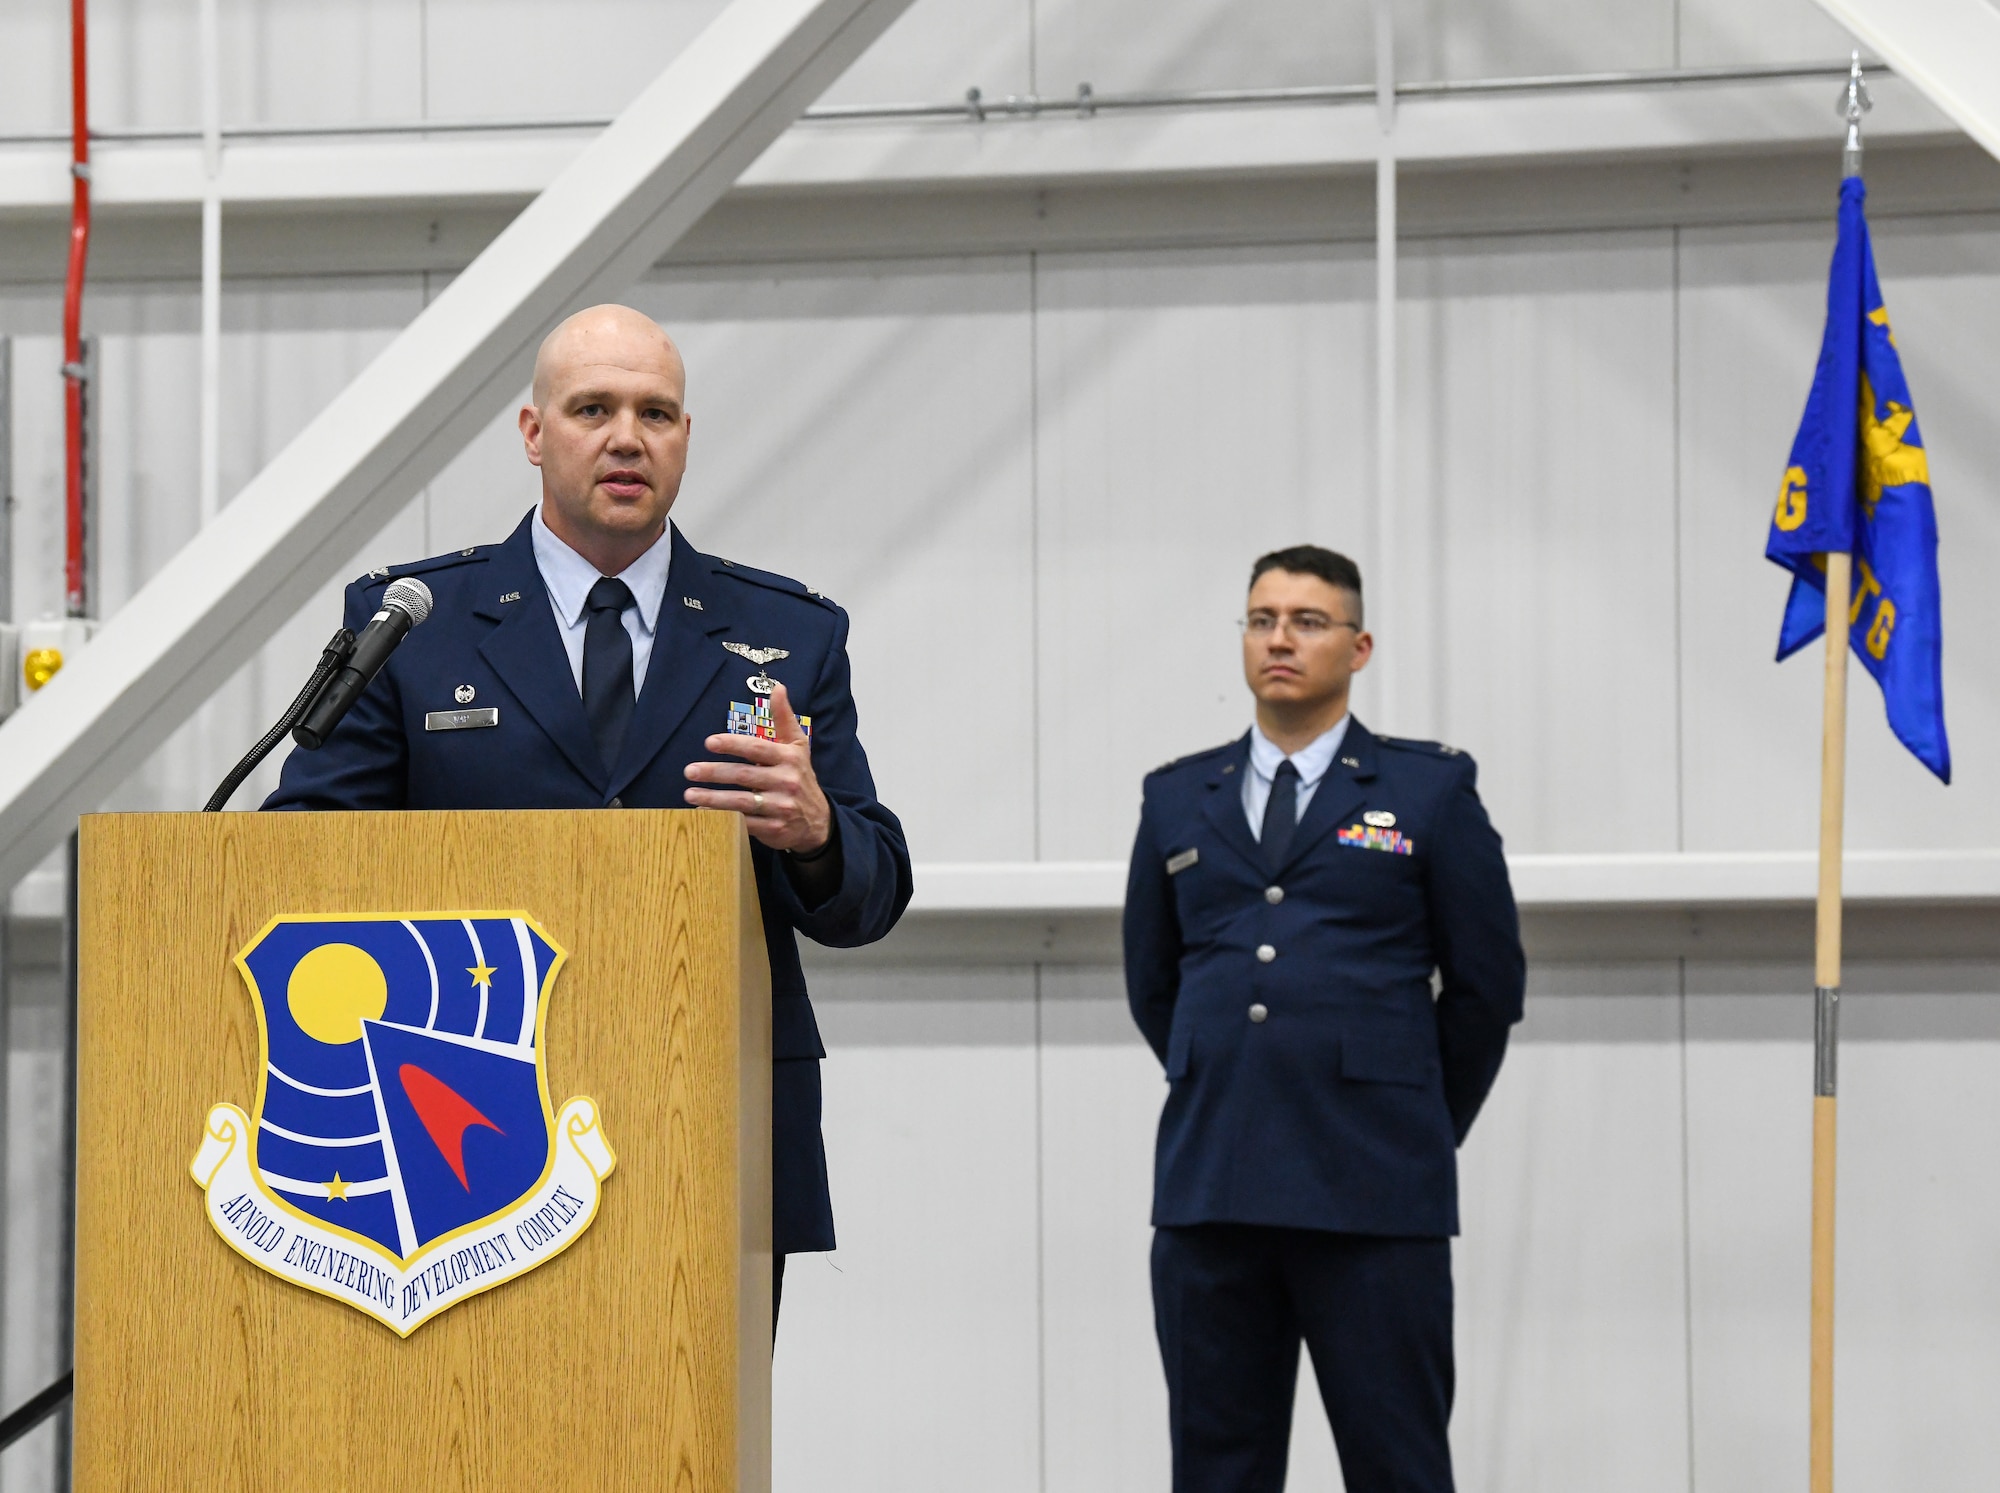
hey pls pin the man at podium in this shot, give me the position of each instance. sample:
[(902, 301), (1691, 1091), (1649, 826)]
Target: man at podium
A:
[(595, 658)]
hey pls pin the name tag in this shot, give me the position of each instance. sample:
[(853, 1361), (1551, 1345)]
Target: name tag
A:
[(1179, 863), (461, 720)]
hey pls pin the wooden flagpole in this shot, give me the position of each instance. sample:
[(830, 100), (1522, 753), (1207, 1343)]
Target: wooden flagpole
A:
[(1826, 1011), (1826, 940)]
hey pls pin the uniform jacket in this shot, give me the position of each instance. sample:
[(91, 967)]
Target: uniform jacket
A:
[(1315, 1079), (491, 627)]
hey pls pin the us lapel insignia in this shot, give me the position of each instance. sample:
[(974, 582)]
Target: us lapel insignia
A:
[(402, 1154), (1370, 837)]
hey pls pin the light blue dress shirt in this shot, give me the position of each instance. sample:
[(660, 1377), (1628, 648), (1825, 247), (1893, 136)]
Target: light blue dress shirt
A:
[(569, 578), (1312, 762)]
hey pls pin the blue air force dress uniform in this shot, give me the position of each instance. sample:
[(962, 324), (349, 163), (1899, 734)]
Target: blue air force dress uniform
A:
[(1305, 1181), (481, 708)]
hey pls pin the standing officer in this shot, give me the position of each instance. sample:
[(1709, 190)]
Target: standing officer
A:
[(595, 659), (1293, 897)]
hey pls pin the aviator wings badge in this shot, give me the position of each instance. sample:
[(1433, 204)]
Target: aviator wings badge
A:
[(402, 1155), (760, 682), (754, 719)]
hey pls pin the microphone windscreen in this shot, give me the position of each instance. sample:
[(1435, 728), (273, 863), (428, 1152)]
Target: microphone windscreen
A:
[(409, 595)]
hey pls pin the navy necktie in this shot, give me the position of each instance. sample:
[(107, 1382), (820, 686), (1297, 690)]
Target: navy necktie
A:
[(607, 667), (1281, 816)]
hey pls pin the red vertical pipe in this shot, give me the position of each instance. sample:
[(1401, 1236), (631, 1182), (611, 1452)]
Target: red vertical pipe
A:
[(79, 252)]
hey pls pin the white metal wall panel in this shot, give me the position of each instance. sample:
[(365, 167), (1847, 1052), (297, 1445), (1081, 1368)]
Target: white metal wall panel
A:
[(1121, 45), (283, 62), (1572, 1327), (1193, 411), (1752, 309), (32, 316), (940, 48), (487, 59), (1749, 1147), (483, 494), (1527, 38), (907, 1360), (1101, 1094), (288, 62), (492, 58), (1718, 33), (1919, 1223), (34, 43), (1537, 537)]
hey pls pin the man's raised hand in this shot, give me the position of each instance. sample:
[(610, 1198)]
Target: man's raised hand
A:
[(773, 787)]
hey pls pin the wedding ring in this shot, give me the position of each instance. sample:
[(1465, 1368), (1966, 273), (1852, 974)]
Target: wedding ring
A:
[(757, 801)]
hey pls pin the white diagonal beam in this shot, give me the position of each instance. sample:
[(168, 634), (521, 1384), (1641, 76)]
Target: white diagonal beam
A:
[(1950, 49), (597, 227)]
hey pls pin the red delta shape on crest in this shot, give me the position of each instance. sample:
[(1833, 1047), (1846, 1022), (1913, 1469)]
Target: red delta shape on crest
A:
[(446, 1114)]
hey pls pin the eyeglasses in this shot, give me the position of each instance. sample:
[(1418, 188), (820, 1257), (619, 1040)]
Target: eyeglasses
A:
[(1307, 625)]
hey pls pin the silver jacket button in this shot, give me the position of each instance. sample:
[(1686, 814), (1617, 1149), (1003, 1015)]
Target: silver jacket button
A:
[(1259, 1011), (1265, 953), (1274, 895), (616, 803)]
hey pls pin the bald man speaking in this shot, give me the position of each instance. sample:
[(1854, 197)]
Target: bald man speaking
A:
[(594, 659)]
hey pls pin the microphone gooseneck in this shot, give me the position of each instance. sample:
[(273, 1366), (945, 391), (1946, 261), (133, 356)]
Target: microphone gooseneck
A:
[(406, 603), (336, 652)]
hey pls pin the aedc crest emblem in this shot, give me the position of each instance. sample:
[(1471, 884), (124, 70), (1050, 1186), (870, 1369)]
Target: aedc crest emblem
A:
[(403, 1155)]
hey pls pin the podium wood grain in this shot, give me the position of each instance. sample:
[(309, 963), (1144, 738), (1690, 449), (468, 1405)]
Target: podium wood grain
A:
[(637, 1359)]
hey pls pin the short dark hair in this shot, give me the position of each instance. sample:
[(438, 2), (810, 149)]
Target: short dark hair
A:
[(1330, 566)]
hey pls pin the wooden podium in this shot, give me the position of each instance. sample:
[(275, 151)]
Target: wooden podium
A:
[(638, 1358)]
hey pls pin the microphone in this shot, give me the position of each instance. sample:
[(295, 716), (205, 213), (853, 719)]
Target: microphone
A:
[(406, 603)]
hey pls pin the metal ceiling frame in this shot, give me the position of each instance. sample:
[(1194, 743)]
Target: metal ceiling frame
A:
[(599, 225), (1950, 49), (1504, 122)]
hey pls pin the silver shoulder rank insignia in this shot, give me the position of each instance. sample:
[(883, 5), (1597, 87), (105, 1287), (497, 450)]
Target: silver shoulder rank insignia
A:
[(1380, 818), (1451, 751), (760, 682), (1179, 863)]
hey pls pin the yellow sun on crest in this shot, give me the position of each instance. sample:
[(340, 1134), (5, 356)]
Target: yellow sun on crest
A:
[(333, 990)]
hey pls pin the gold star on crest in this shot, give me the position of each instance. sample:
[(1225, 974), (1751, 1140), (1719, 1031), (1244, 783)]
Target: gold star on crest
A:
[(482, 975), (337, 1188)]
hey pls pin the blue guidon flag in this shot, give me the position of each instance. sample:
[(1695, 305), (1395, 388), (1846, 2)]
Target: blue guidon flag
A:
[(1859, 483), (402, 1155)]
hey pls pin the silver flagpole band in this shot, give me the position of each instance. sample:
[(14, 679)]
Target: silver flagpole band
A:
[(1826, 1039)]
